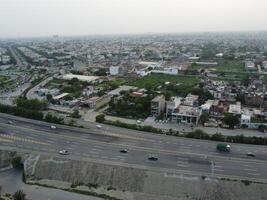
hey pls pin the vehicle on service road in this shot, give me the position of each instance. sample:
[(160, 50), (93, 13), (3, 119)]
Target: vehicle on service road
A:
[(223, 147), (53, 127), (64, 152), (152, 157), (124, 151), (250, 154), (10, 122), (98, 126)]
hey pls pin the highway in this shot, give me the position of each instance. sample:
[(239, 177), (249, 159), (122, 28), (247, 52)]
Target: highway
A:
[(176, 155)]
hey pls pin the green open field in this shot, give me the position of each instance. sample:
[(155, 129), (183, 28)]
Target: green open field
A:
[(156, 80), (225, 66), (3, 78)]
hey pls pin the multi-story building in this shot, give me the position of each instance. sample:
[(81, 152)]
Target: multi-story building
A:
[(186, 114), (114, 70), (158, 105), (171, 106)]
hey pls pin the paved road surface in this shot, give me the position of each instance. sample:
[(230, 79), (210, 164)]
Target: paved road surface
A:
[(188, 156)]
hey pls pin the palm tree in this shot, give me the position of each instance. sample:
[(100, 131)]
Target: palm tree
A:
[(19, 195)]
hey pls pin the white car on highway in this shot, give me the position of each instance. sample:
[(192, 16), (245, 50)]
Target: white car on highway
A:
[(98, 126), (64, 152), (53, 127)]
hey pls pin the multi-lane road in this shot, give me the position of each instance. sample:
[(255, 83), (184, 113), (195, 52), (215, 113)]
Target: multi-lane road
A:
[(176, 155)]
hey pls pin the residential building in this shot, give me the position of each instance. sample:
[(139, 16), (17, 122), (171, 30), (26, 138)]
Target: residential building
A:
[(191, 100), (235, 108), (114, 70), (171, 106), (186, 114), (158, 105), (250, 66)]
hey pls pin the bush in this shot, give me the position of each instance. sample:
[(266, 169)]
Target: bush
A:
[(19, 195), (33, 104), (231, 120), (16, 162), (100, 118)]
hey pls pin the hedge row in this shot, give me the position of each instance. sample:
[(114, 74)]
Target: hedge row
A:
[(197, 134)]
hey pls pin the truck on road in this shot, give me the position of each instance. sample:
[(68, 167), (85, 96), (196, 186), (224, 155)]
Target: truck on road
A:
[(223, 147)]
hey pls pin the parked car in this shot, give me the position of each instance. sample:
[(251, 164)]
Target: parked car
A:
[(53, 127), (124, 151), (98, 126), (64, 152), (250, 154), (152, 157)]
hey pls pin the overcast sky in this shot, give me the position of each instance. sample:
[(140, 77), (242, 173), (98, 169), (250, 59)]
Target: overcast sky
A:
[(19, 18)]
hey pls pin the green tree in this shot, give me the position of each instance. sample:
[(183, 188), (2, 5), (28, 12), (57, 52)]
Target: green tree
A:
[(49, 97), (75, 114), (204, 118), (262, 128), (19, 195), (230, 120), (16, 162), (33, 104), (100, 118)]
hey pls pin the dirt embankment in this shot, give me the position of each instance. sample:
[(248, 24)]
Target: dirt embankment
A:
[(136, 184), (5, 158)]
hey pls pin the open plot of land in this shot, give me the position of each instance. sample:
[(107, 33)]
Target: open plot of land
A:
[(74, 88), (227, 66), (155, 80), (3, 78)]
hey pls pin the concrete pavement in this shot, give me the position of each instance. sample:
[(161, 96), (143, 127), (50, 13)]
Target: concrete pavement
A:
[(181, 155)]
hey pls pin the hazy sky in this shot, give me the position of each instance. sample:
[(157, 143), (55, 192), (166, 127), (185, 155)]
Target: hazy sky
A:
[(19, 18)]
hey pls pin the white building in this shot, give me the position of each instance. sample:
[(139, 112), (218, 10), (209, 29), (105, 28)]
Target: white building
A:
[(249, 65), (186, 115), (245, 119), (5, 59), (235, 108), (171, 106), (114, 70), (167, 70), (80, 77)]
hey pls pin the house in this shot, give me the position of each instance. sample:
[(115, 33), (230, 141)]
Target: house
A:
[(207, 106), (171, 106), (158, 105), (245, 119), (114, 70), (250, 66), (186, 114), (235, 108), (191, 100)]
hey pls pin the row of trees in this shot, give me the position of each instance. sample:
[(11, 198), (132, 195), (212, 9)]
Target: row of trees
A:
[(197, 134), (33, 104), (129, 106), (31, 114)]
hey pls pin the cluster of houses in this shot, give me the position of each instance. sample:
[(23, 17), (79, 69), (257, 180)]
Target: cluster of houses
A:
[(252, 112)]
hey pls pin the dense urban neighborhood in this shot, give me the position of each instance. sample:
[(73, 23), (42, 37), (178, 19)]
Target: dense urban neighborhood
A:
[(109, 116), (197, 80)]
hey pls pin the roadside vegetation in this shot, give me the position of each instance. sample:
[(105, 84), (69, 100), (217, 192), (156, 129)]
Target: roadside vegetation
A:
[(152, 82), (197, 134)]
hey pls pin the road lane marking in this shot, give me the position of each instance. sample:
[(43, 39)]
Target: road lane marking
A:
[(253, 170), (16, 138), (162, 151), (181, 165), (94, 152), (5, 140), (254, 174), (218, 170)]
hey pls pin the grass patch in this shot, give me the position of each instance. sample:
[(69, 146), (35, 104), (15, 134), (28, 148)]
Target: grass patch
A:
[(155, 80), (3, 78), (223, 66)]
